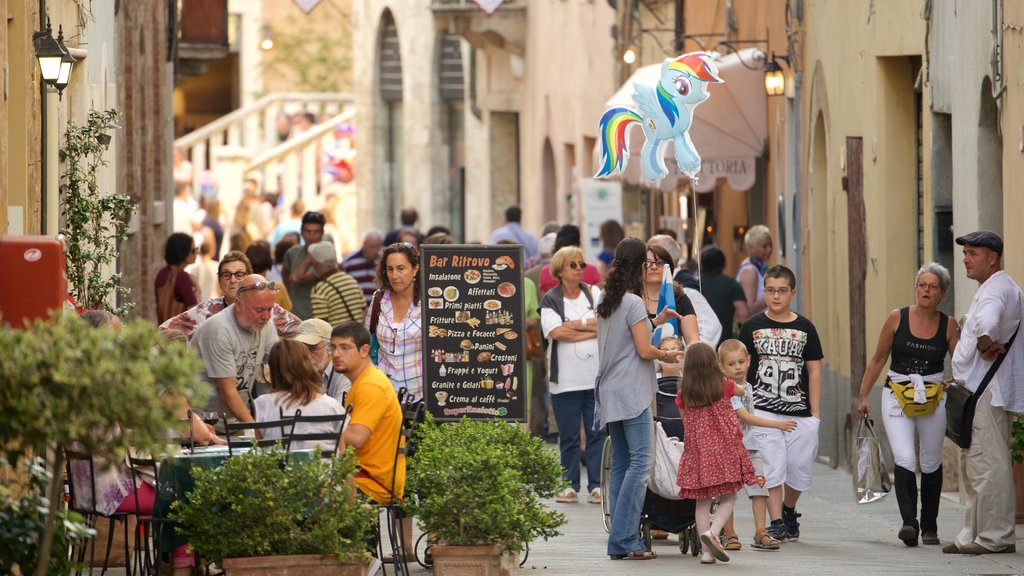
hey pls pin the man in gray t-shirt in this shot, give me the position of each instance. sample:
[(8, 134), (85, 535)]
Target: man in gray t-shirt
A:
[(234, 344), (299, 270)]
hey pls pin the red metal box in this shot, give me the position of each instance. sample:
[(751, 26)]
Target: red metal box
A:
[(32, 280)]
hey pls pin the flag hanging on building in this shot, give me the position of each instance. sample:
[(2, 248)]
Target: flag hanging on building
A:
[(489, 6), (307, 6)]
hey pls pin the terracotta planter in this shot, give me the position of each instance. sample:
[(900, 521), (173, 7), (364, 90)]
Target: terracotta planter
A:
[(490, 560), (294, 565), (1018, 482)]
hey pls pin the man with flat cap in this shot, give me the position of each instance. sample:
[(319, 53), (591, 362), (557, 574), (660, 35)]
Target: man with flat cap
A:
[(987, 333)]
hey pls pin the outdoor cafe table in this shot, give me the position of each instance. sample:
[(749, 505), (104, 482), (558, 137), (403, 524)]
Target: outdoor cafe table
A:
[(176, 482)]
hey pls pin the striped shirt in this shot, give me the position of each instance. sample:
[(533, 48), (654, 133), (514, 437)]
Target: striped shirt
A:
[(338, 298), (364, 271), (400, 355)]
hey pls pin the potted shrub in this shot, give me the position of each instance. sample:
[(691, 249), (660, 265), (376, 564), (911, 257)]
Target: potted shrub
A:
[(265, 513), (477, 489)]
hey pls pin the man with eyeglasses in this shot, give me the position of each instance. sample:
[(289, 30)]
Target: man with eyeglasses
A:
[(316, 335), (299, 269), (785, 373), (233, 267), (234, 344)]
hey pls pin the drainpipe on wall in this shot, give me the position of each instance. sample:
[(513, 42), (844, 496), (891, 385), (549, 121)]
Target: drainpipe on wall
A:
[(998, 87)]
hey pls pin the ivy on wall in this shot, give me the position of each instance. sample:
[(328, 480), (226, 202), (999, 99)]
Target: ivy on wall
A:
[(94, 223)]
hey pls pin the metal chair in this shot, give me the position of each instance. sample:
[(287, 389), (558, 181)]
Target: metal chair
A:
[(90, 513), (413, 412), (231, 430), (319, 437)]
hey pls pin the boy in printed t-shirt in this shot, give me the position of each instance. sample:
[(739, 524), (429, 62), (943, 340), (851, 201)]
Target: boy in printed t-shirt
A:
[(785, 373)]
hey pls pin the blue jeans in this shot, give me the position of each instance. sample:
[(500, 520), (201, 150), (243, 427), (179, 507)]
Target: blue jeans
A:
[(570, 408), (632, 458)]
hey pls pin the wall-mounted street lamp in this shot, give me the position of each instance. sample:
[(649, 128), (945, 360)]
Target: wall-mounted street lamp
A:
[(629, 54), (55, 61), (774, 77), (267, 40)]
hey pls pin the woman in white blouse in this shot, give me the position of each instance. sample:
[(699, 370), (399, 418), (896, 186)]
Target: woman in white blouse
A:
[(569, 324)]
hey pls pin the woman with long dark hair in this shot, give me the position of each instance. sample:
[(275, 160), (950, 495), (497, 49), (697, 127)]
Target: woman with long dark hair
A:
[(394, 316), (625, 391)]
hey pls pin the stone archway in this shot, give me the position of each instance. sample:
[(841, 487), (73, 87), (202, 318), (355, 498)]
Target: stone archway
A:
[(390, 168), (549, 182)]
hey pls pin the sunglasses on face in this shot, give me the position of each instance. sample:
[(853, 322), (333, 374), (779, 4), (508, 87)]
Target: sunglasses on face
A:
[(652, 264), (236, 275), (578, 265), (258, 287)]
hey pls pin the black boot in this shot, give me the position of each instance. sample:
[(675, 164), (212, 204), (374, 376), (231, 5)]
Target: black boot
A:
[(931, 492), (906, 497)]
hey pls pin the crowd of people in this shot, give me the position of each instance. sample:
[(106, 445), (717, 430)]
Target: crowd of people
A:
[(294, 326)]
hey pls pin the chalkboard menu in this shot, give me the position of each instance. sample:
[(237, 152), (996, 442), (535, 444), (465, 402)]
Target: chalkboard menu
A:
[(473, 325)]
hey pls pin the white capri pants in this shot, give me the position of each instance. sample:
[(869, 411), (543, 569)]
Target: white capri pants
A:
[(931, 430)]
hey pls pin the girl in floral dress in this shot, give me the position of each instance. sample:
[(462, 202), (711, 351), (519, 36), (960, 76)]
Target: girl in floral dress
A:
[(714, 463)]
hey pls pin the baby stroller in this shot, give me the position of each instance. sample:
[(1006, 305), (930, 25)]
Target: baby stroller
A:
[(676, 516)]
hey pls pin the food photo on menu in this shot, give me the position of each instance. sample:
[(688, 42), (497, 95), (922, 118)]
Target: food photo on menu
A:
[(474, 357)]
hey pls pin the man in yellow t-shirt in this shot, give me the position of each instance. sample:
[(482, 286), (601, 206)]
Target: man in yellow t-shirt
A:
[(375, 422)]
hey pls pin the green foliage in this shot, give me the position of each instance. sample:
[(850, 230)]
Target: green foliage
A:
[(63, 381), (22, 521), (261, 504), (315, 59), (481, 482), (95, 223), (1017, 439)]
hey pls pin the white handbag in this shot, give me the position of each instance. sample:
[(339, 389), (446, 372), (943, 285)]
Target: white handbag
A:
[(667, 452)]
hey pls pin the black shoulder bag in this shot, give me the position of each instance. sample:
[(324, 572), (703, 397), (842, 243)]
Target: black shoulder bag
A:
[(961, 403)]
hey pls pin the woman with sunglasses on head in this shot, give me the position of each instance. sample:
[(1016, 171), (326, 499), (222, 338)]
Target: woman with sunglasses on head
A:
[(394, 317), (232, 268), (657, 258), (568, 322), (174, 288), (625, 390)]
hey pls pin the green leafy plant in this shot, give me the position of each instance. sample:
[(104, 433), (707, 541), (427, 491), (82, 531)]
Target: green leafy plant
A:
[(95, 223), (281, 507), (63, 381), (1017, 439), (481, 482), (316, 60), (22, 521)]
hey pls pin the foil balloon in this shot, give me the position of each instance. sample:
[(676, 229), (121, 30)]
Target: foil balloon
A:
[(665, 112)]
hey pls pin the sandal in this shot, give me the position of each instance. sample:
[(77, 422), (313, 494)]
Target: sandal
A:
[(731, 542), (638, 555), (568, 496), (714, 546), (763, 541)]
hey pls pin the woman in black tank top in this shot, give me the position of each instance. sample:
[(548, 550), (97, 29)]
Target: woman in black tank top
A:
[(918, 337)]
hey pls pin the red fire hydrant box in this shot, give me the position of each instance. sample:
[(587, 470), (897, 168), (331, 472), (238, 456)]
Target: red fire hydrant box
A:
[(32, 279)]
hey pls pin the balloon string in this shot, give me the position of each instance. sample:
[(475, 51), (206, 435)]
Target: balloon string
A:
[(696, 235)]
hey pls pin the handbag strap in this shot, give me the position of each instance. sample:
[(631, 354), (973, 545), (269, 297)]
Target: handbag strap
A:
[(995, 365)]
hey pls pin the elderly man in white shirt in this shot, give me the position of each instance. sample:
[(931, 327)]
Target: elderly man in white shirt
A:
[(992, 321)]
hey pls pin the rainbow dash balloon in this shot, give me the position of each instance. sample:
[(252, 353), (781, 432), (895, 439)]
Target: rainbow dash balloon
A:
[(666, 112)]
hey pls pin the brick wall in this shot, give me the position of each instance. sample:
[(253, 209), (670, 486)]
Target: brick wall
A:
[(144, 155)]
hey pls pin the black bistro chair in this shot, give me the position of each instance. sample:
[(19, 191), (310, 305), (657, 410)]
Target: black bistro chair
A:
[(413, 412), (329, 441), (233, 429), (87, 508)]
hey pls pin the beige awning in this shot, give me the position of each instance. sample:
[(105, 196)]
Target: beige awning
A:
[(729, 128)]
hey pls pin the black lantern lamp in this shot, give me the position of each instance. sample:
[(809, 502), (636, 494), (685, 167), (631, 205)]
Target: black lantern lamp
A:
[(774, 78), (55, 61)]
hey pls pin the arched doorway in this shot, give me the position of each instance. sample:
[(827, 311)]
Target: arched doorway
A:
[(549, 182), (389, 84), (990, 163), (451, 90)]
